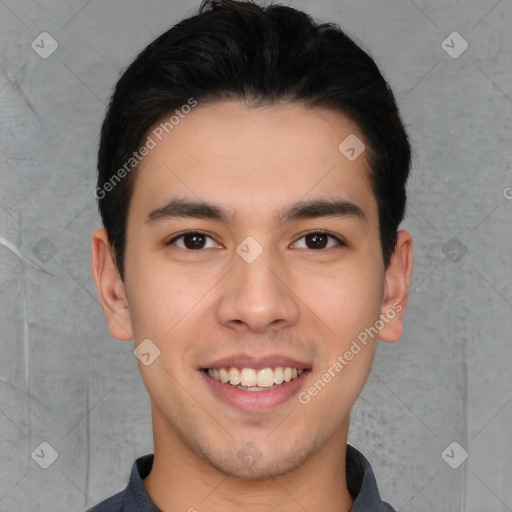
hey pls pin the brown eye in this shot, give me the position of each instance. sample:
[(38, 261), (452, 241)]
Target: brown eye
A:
[(193, 241), (318, 240)]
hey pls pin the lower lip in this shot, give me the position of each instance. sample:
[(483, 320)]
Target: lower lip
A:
[(256, 401)]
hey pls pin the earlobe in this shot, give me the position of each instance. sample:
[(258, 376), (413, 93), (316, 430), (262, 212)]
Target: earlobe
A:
[(110, 286), (398, 276)]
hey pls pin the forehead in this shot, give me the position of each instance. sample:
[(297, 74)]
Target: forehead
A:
[(254, 159)]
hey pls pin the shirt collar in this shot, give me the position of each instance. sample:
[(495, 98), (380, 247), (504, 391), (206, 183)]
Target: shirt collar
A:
[(362, 485)]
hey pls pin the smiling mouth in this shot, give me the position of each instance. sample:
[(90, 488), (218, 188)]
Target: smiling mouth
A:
[(251, 379)]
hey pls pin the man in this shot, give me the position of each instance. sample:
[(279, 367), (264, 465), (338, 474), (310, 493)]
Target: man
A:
[(252, 171)]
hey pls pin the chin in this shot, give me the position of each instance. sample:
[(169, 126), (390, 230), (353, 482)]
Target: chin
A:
[(251, 463)]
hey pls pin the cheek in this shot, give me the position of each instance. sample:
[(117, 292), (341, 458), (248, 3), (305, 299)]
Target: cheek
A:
[(350, 308), (157, 302), (347, 301)]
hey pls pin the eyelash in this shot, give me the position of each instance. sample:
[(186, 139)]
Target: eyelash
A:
[(339, 241)]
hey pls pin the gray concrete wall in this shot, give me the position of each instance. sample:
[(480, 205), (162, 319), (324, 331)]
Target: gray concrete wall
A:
[(65, 382)]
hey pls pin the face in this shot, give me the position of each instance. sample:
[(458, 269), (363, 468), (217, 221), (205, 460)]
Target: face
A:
[(252, 256)]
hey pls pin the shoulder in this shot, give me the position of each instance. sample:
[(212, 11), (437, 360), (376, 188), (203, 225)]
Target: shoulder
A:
[(116, 503), (362, 484), (133, 497)]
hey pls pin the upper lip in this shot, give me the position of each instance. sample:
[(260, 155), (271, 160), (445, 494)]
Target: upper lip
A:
[(257, 362)]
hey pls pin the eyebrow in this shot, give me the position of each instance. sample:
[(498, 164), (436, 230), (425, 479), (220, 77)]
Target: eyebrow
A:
[(184, 208)]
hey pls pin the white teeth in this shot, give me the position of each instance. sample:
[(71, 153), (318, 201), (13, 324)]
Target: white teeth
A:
[(234, 376), (248, 377), (278, 375), (263, 378)]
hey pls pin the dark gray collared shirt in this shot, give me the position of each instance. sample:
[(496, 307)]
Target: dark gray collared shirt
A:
[(360, 481)]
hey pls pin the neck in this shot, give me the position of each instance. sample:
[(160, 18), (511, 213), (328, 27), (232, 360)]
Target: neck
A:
[(181, 480)]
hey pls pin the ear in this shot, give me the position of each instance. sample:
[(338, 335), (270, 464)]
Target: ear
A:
[(396, 291), (111, 289)]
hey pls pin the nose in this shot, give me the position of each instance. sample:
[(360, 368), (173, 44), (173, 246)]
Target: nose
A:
[(258, 296)]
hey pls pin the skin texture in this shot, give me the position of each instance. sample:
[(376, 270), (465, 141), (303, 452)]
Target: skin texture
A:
[(198, 305)]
